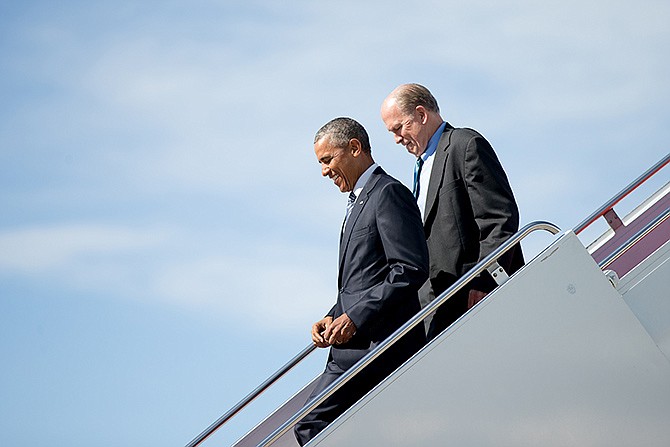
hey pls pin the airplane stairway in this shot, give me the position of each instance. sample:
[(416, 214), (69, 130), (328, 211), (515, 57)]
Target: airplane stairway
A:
[(573, 349)]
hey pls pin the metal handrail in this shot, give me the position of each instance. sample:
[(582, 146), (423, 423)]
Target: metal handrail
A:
[(635, 239), (623, 193), (405, 328), (251, 396)]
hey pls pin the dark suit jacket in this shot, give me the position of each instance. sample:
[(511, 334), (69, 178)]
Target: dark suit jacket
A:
[(470, 210), (382, 263)]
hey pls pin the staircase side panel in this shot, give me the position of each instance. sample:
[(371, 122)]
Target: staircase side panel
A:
[(646, 289)]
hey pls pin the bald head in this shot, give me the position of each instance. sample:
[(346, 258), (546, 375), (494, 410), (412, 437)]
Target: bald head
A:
[(409, 96)]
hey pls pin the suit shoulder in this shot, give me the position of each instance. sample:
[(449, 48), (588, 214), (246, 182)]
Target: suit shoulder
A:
[(465, 134), (391, 184), (468, 141)]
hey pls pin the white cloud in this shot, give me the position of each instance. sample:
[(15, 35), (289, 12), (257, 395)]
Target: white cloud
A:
[(33, 250), (282, 289), (266, 295)]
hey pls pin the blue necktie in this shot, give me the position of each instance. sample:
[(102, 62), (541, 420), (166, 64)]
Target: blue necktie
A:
[(417, 176)]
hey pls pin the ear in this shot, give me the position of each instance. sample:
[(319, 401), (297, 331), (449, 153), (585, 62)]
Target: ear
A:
[(422, 114), (355, 147)]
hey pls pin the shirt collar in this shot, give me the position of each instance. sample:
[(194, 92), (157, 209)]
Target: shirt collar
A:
[(432, 144), (363, 179)]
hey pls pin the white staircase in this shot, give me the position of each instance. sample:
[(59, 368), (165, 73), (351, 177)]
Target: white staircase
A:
[(554, 357)]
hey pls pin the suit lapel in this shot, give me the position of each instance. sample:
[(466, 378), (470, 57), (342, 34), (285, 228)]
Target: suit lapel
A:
[(355, 213), (437, 172)]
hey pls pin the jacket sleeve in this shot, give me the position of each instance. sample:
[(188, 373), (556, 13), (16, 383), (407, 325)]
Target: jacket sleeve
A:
[(491, 198)]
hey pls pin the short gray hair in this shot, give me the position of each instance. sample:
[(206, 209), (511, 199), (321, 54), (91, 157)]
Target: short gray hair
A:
[(409, 96), (342, 130)]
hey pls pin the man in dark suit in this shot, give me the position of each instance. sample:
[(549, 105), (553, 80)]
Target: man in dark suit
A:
[(383, 261), (466, 201)]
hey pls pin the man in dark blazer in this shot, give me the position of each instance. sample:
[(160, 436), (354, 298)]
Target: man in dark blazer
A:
[(383, 260), (466, 201)]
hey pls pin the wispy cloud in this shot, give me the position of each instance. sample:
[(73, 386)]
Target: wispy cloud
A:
[(281, 290), (34, 249), (285, 296)]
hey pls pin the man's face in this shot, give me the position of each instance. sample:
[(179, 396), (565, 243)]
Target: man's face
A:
[(339, 164), (408, 130)]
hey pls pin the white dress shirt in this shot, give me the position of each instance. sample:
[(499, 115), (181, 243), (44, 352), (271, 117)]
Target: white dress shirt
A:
[(428, 158)]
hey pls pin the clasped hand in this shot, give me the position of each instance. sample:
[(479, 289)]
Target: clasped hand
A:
[(327, 332)]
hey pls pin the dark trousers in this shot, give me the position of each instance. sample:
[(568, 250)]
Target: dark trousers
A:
[(447, 313), (335, 405), (346, 396)]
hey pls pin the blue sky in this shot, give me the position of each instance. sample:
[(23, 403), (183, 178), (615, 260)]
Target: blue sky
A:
[(166, 239)]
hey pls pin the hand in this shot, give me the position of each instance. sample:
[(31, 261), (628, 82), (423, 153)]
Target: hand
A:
[(318, 329), (340, 330), (475, 296)]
